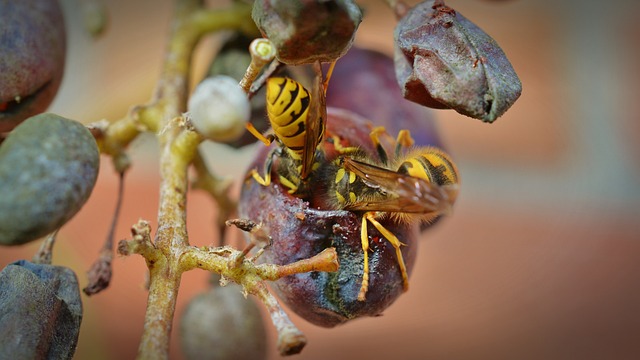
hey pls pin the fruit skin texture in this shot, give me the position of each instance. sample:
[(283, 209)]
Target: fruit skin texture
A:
[(48, 167), (306, 31), (222, 324), (33, 43), (299, 231), (41, 311), (445, 61)]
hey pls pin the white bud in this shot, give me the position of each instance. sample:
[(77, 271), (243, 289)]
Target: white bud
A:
[(219, 109)]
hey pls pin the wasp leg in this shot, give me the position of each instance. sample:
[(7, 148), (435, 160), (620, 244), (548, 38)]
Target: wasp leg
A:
[(396, 244), (342, 150), (288, 183), (268, 163), (404, 140), (325, 84), (267, 140), (364, 237)]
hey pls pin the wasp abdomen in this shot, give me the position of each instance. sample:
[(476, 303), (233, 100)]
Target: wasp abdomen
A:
[(288, 108), (430, 164)]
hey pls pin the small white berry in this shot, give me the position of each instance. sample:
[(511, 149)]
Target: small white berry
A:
[(219, 109)]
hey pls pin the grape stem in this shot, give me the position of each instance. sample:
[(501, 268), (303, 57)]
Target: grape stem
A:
[(178, 147), (169, 254)]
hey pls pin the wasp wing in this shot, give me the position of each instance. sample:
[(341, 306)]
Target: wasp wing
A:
[(315, 122), (407, 194)]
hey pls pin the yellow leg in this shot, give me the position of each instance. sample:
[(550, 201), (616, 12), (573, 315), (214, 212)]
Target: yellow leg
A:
[(266, 181), (289, 184), (252, 129), (396, 244), (364, 237), (325, 84), (342, 149)]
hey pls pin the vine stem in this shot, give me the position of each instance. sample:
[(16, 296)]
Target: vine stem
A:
[(178, 147)]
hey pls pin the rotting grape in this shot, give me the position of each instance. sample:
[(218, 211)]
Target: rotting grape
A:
[(445, 61), (48, 167), (33, 43), (300, 230), (307, 31), (41, 311)]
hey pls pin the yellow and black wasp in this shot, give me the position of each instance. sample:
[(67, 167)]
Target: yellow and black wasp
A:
[(297, 119), (417, 184)]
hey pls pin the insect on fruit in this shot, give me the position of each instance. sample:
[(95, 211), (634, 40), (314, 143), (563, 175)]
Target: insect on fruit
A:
[(417, 184), (297, 119)]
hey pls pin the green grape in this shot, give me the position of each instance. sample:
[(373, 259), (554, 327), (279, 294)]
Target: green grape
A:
[(48, 167)]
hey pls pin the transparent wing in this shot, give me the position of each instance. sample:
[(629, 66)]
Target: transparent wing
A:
[(315, 122), (407, 194)]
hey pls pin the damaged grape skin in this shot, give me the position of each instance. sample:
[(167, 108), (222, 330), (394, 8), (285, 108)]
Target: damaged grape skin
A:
[(299, 231), (445, 61), (307, 31)]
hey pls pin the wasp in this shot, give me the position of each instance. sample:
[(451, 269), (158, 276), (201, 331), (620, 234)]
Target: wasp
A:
[(297, 119), (416, 184)]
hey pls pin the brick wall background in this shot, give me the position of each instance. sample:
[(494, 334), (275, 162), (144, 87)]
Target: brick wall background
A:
[(541, 258)]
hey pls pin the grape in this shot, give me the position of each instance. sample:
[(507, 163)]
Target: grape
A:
[(307, 31), (445, 61), (32, 39), (41, 311), (300, 230), (222, 324), (48, 167)]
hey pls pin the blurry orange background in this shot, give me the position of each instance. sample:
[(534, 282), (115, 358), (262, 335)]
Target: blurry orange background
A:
[(541, 259)]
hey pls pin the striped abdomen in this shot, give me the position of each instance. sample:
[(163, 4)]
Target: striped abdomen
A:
[(288, 107)]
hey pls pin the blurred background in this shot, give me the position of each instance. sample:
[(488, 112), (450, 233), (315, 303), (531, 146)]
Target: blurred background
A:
[(541, 259)]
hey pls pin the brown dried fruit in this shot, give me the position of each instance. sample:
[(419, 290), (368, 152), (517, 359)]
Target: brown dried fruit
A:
[(444, 60), (41, 311), (307, 31), (328, 299)]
